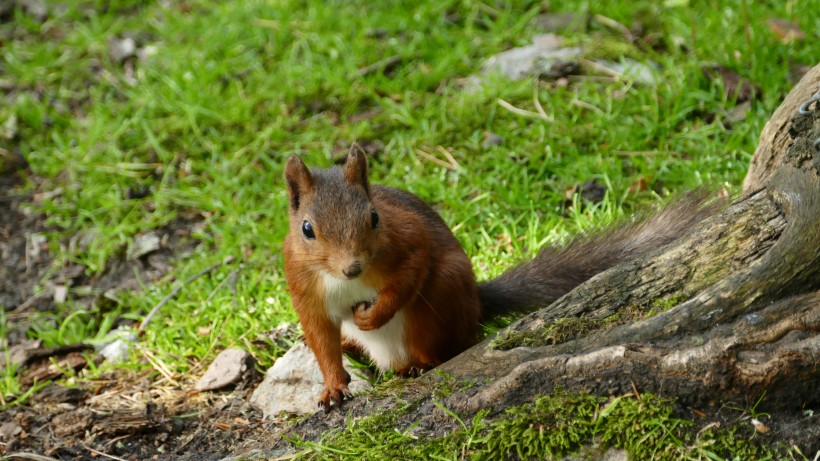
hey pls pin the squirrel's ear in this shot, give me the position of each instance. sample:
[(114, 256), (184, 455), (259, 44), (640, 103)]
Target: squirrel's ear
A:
[(355, 168), (299, 180)]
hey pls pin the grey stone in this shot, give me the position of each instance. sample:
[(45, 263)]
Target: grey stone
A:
[(226, 369), (119, 348), (294, 382), (525, 61), (36, 8), (633, 70), (9, 430), (121, 49), (144, 244)]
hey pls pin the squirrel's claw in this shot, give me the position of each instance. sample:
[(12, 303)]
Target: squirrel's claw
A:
[(333, 397)]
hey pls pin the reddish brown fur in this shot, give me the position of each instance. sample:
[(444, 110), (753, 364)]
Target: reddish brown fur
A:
[(413, 261), (425, 272)]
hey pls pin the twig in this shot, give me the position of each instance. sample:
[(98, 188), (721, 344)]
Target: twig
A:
[(220, 285), (159, 366), (492, 12), (521, 112), (450, 164), (385, 63), (104, 455), (615, 25), (585, 105), (449, 158), (30, 300), (32, 456), (435, 160), (635, 390), (179, 288), (111, 442), (602, 69), (537, 104)]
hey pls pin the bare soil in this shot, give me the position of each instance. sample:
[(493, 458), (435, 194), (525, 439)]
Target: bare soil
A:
[(75, 424)]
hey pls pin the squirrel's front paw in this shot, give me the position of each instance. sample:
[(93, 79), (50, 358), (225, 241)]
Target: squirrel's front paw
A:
[(333, 396), (365, 318)]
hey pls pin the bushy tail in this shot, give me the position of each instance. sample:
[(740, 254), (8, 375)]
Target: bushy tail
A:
[(556, 271)]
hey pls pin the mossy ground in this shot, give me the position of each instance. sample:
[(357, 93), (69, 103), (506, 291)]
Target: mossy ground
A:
[(551, 427)]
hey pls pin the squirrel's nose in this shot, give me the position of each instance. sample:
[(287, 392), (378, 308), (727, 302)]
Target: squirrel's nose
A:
[(352, 271)]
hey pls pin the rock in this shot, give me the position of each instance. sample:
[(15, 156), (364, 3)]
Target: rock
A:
[(116, 351), (19, 354), (8, 130), (119, 348), (294, 382), (144, 244), (631, 69), (525, 61), (737, 114), (491, 140), (10, 430), (120, 49), (146, 52), (226, 369), (36, 8), (593, 190)]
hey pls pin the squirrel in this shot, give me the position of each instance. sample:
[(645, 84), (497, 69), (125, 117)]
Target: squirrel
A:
[(375, 269)]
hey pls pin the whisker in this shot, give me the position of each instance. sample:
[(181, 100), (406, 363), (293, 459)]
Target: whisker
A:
[(430, 305)]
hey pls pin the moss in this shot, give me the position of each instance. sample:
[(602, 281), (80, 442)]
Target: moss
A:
[(551, 427), (445, 386), (667, 302), (508, 339), (386, 436), (562, 423), (561, 330), (449, 385), (568, 328), (611, 49)]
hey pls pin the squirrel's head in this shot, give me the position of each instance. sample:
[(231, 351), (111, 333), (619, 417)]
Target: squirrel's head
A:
[(333, 222)]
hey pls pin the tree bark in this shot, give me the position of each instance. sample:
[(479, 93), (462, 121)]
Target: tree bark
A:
[(728, 313), (775, 139)]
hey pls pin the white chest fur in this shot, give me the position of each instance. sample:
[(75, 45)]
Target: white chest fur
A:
[(385, 345)]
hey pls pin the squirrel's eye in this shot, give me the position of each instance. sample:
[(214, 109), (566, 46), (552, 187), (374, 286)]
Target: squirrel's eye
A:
[(307, 229), (374, 219)]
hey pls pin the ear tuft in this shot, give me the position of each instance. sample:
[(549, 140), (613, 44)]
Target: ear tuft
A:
[(299, 181), (355, 167)]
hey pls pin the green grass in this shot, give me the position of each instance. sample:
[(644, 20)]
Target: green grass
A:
[(233, 88)]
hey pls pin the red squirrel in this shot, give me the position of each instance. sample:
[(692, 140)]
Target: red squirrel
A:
[(375, 269)]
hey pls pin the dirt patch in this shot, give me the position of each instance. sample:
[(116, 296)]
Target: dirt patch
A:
[(24, 250), (131, 421)]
